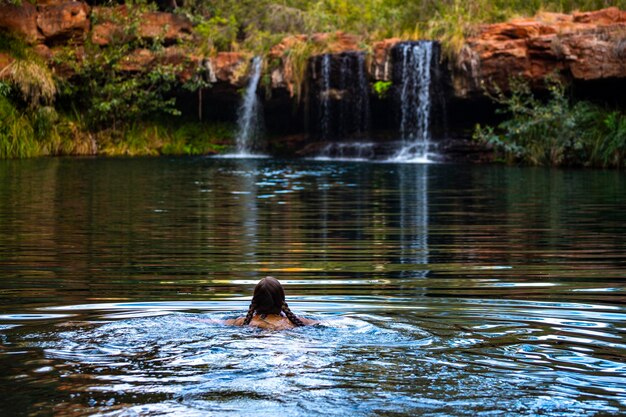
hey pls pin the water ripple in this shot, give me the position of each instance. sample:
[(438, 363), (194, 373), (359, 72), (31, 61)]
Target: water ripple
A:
[(441, 290)]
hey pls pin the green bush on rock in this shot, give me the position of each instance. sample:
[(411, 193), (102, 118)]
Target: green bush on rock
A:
[(381, 88), (556, 131)]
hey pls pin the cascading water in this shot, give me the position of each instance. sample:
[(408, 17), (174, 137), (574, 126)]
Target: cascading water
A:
[(352, 151), (249, 119), (324, 99), (415, 101), (341, 89), (363, 92)]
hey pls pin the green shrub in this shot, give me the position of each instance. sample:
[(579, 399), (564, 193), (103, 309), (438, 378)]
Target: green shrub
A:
[(17, 137), (217, 34), (381, 88), (27, 74), (150, 138), (112, 94), (605, 137), (556, 131), (199, 139)]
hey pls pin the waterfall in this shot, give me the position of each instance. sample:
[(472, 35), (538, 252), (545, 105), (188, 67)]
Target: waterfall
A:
[(415, 100), (325, 97), (249, 115), (363, 93), (341, 88), (351, 151)]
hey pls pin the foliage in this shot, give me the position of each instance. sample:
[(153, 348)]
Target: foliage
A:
[(296, 61), (198, 139), (119, 95), (5, 89), (217, 34), (449, 21), (32, 79), (31, 132), (26, 74), (16, 132), (556, 131), (13, 45), (149, 138), (606, 138), (381, 88), (27, 89), (113, 89)]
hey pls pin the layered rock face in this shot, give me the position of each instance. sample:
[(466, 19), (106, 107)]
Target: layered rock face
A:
[(59, 23), (51, 25), (282, 76), (21, 20), (580, 46), (109, 26)]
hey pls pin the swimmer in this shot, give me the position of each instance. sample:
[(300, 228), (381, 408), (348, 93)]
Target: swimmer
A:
[(268, 309)]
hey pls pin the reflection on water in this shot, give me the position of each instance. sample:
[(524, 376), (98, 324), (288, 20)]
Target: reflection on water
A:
[(414, 219), (440, 290)]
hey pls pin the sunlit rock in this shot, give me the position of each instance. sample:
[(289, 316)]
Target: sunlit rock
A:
[(112, 26), (230, 67), (64, 22), (20, 20), (583, 46)]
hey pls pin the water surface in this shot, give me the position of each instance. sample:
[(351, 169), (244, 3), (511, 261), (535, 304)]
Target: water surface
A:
[(440, 289)]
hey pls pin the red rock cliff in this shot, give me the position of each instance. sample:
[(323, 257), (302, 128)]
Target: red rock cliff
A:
[(580, 46)]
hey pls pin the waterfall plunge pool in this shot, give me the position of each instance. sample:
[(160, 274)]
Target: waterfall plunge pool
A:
[(441, 289)]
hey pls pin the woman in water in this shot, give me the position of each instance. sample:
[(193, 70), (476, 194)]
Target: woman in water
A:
[(268, 309)]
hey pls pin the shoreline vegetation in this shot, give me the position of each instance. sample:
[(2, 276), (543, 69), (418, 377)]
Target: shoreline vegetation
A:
[(96, 102)]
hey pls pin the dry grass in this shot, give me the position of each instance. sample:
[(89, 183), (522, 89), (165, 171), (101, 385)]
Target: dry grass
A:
[(32, 79)]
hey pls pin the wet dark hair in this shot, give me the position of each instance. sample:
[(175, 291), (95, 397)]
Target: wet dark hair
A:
[(269, 298)]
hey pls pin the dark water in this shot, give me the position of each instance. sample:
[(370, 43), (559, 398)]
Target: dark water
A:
[(441, 289)]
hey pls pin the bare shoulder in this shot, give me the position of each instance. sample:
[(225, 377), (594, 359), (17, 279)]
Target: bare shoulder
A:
[(272, 322), (281, 323), (235, 322)]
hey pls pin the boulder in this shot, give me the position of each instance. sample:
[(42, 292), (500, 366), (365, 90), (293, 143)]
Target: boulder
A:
[(112, 26), (169, 27), (601, 17), (138, 60), (143, 59), (380, 65), (230, 67), (43, 51), (334, 43), (20, 20), (583, 46), (68, 21), (105, 33)]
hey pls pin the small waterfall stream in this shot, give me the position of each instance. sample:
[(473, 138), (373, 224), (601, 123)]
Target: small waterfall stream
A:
[(341, 108), (249, 119), (324, 99), (363, 92), (341, 90), (414, 75)]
